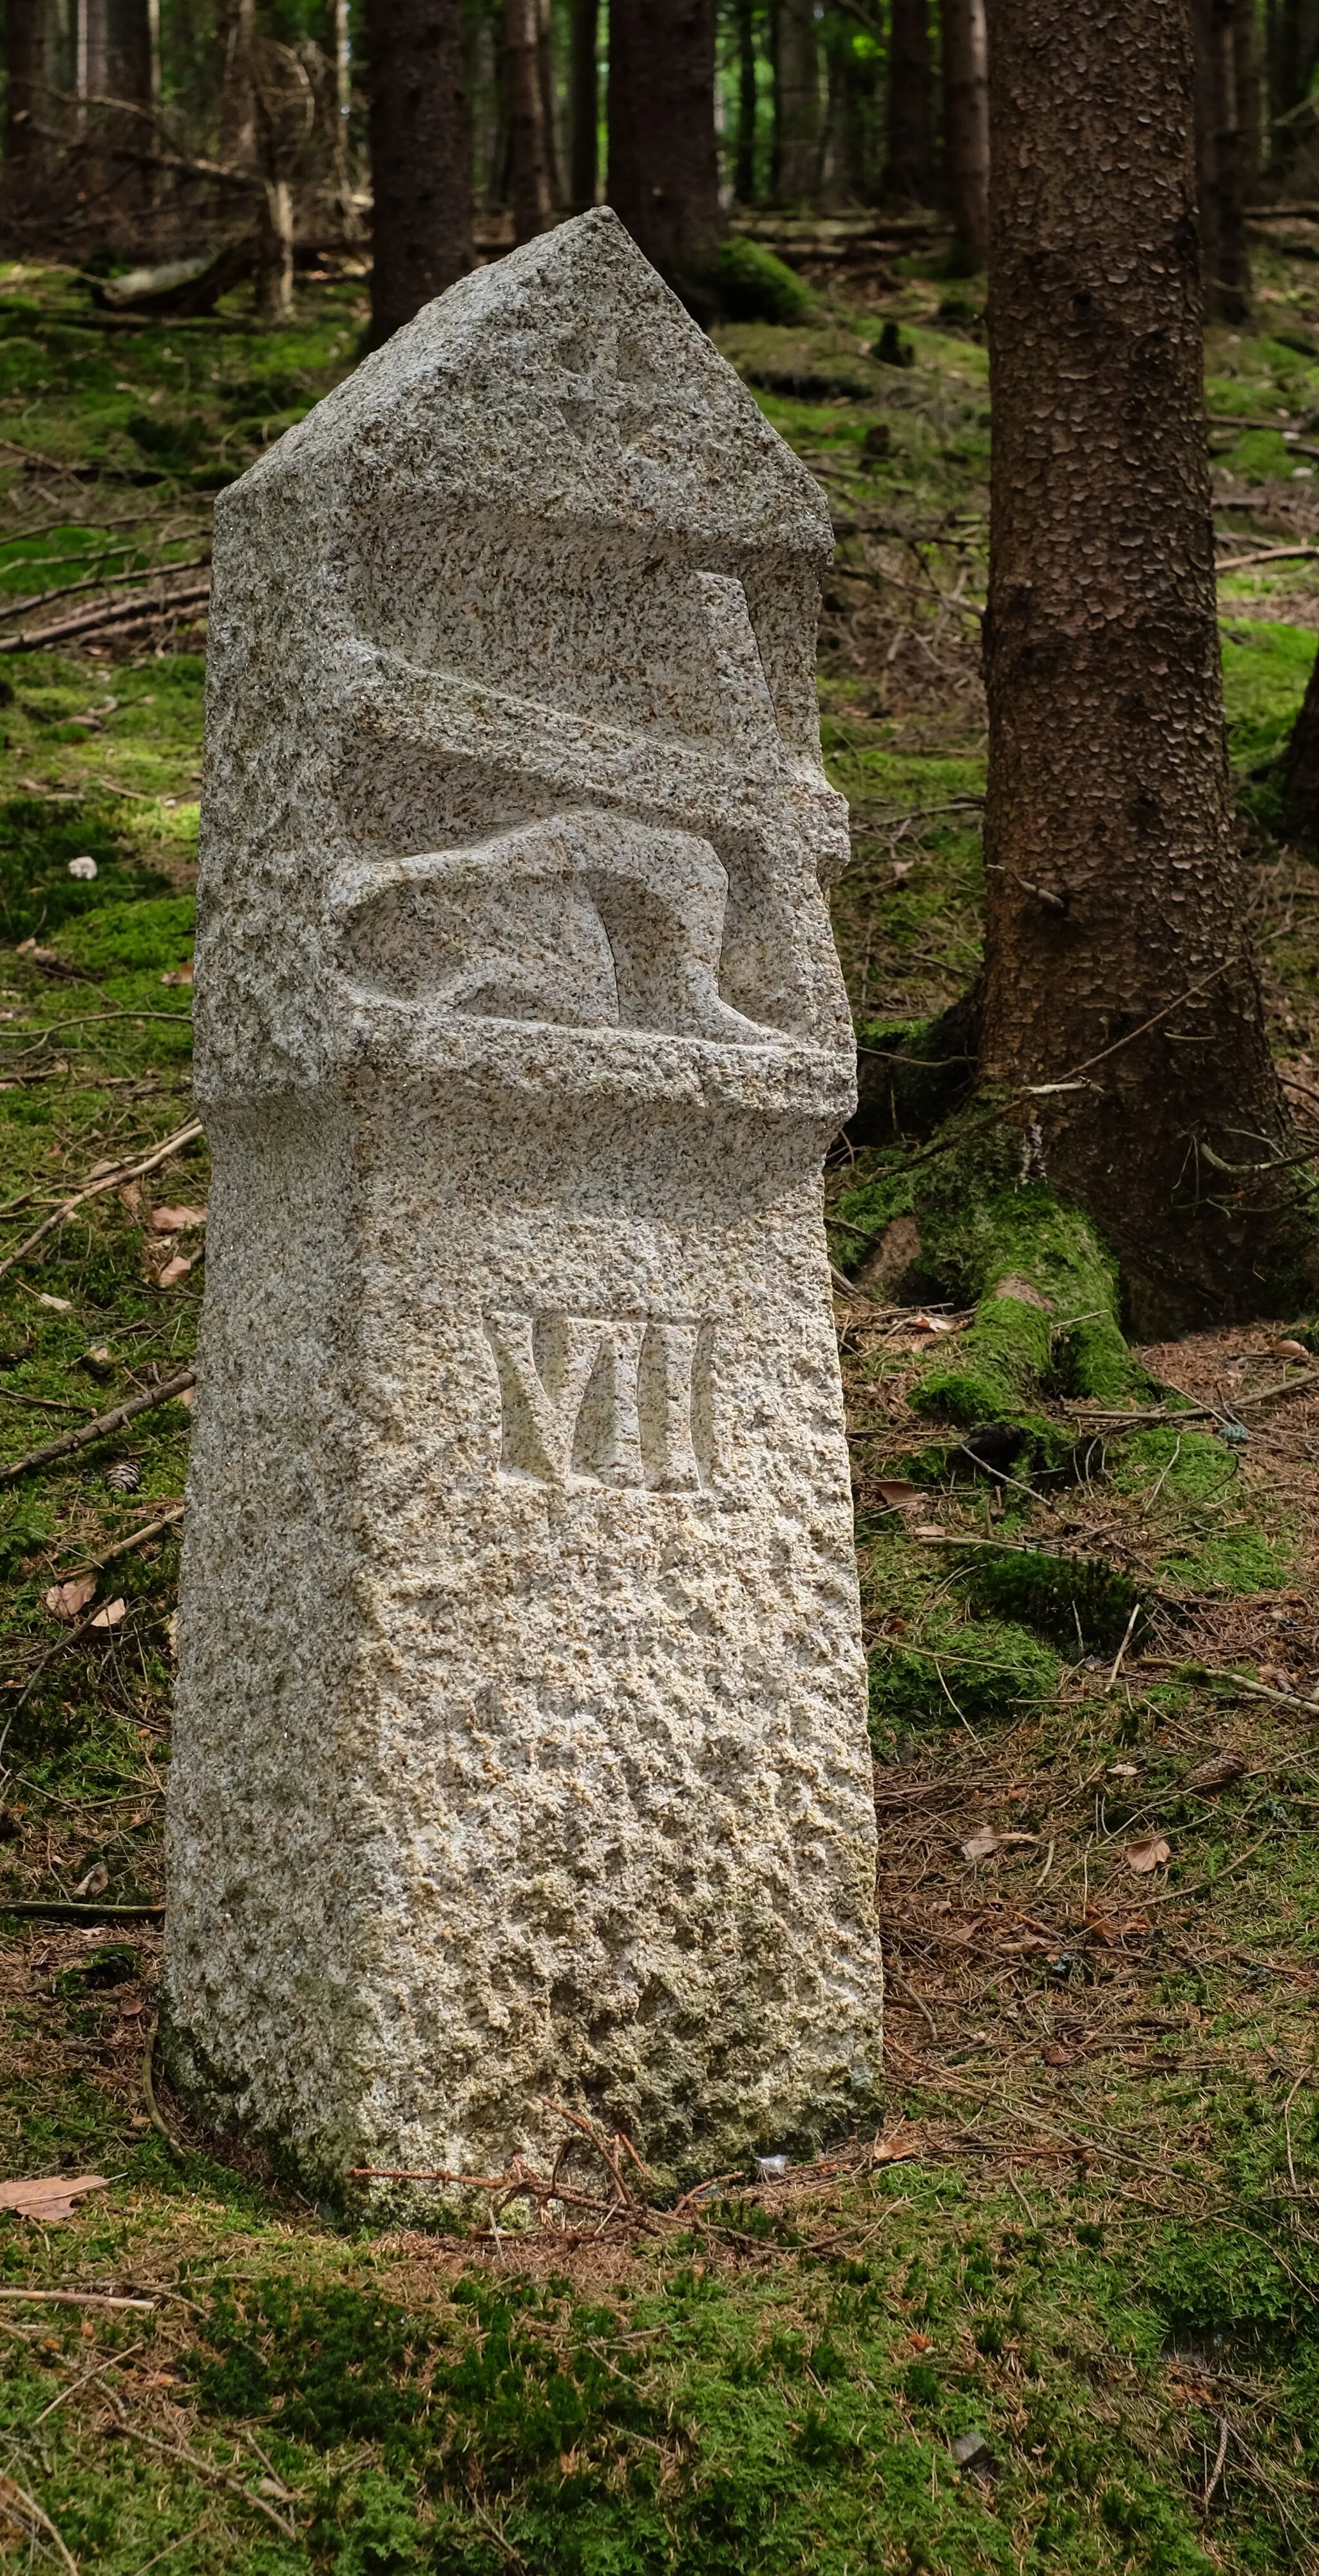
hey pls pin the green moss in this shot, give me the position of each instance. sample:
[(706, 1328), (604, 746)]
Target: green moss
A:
[(1206, 1530), (985, 1671), (1078, 1602), (755, 286), (37, 841)]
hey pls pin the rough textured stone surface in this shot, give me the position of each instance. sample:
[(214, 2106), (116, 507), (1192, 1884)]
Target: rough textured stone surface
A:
[(521, 1745)]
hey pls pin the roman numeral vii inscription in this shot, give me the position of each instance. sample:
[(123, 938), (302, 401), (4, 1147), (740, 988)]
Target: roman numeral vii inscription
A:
[(604, 1400)]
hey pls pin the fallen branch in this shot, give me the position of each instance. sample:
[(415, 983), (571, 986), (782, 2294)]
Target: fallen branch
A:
[(100, 1428), (10, 2488), (81, 2299), (60, 1909), (96, 581), (89, 620), (1188, 1412), (129, 1170), (125, 1546), (1270, 554)]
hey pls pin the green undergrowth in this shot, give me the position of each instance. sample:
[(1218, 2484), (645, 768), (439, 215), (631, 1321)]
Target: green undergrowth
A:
[(1211, 1533)]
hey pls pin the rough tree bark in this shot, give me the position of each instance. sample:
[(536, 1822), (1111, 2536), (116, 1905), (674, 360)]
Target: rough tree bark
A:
[(584, 102), (966, 127), (235, 27), (1116, 956), (663, 172), (909, 176), (27, 30), (744, 167), (421, 156), (529, 169), (1301, 768), (798, 80), (1220, 186)]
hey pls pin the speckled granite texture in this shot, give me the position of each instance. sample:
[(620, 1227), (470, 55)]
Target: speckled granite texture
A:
[(521, 1746)]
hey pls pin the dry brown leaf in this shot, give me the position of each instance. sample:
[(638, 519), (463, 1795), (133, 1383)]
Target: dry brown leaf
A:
[(50, 2197), (96, 1881), (1290, 1350), (178, 974), (1153, 1853), (176, 1220), (174, 1272), (1112, 1930), (900, 2144), (930, 1324), (69, 1600), (1215, 1772), (110, 1617), (988, 1839), (1056, 2055), (928, 1529), (898, 1492), (1276, 1677)]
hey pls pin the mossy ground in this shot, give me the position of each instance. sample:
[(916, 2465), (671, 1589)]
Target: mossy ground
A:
[(1088, 2231)]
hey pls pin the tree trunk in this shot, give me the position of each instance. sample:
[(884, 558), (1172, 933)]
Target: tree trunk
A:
[(274, 261), (27, 34), (421, 156), (744, 168), (1301, 768), (585, 102), (235, 28), (799, 100), (966, 127), (1224, 259), (857, 120), (1293, 49), (549, 104), (529, 177), (1116, 962), (342, 56), (1246, 61), (663, 170), (909, 172)]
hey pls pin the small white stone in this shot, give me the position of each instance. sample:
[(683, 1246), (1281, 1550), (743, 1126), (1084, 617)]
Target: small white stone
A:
[(521, 1750), (84, 867)]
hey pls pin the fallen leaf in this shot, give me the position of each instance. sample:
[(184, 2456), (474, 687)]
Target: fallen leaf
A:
[(57, 1305), (96, 1881), (1055, 2055), (900, 2144), (1290, 1350), (1276, 1678), (930, 1324), (174, 1272), (187, 1399), (178, 974), (928, 1529), (987, 1840), (1153, 1853), (67, 1600), (898, 1493), (176, 1220), (130, 2010), (1122, 1771), (51, 2197), (130, 1196), (1112, 1930), (1216, 1772), (110, 1617), (917, 2342)]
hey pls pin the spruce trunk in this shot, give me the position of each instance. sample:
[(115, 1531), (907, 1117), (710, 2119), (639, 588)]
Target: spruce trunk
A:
[(1117, 963), (421, 156), (909, 170), (529, 177), (966, 127), (663, 171), (585, 102)]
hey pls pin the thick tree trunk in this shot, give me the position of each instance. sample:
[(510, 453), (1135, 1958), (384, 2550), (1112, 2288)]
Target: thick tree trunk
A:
[(1116, 960), (1246, 58), (529, 174), (744, 168), (1293, 49), (909, 171), (966, 126), (1301, 768), (421, 156), (274, 263), (27, 34), (549, 105), (855, 118), (663, 172), (798, 100), (585, 104), (235, 28), (1224, 259)]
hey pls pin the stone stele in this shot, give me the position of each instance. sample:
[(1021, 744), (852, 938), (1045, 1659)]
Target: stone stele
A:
[(521, 1749)]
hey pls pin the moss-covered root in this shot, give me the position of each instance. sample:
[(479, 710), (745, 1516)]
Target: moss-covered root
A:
[(1046, 1320)]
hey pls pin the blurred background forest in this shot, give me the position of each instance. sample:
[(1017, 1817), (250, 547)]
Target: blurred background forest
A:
[(157, 130)]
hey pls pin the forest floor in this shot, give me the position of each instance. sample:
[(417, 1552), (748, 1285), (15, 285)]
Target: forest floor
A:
[(1061, 2310)]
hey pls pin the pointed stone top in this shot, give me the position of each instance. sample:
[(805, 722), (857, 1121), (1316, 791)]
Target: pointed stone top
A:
[(565, 382)]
